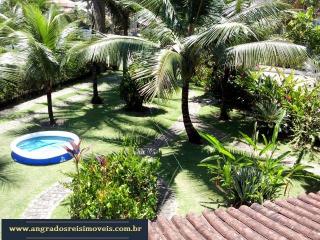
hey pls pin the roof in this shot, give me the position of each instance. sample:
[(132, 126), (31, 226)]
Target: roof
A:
[(294, 218)]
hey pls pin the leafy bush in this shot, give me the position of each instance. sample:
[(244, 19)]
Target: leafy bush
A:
[(267, 114), (300, 102), (235, 95), (119, 186), (130, 88), (129, 92), (203, 76), (302, 30), (248, 177), (303, 106)]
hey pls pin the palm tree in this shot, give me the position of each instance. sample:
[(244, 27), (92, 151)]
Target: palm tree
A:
[(99, 25), (40, 44), (99, 15), (229, 31), (171, 22), (120, 13), (250, 46), (39, 41)]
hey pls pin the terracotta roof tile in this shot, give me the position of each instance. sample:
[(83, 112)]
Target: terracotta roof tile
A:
[(221, 227), (253, 224), (295, 219), (279, 228), (299, 210), (304, 205), (310, 200), (203, 227)]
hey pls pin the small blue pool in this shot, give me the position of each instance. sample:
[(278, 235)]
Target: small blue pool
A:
[(43, 148)]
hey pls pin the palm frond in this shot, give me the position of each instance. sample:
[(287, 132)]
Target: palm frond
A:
[(11, 67), (164, 7), (108, 47), (7, 175), (220, 34), (268, 53), (162, 69), (259, 10), (154, 28)]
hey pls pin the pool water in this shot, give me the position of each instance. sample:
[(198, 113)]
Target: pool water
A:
[(44, 143)]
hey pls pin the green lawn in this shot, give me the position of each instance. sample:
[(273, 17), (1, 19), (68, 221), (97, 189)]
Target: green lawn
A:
[(100, 127), (191, 184)]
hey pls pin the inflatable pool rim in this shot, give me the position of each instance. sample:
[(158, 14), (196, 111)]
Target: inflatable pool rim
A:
[(45, 158)]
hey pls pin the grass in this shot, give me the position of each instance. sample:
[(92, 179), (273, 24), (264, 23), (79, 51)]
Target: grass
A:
[(193, 189), (100, 127)]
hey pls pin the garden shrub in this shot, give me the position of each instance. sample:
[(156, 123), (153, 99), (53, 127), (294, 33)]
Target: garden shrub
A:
[(251, 177), (130, 88), (129, 92), (303, 106), (203, 76), (236, 96), (302, 30), (118, 186), (300, 102)]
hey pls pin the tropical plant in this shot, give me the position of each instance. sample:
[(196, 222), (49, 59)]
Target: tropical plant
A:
[(129, 88), (303, 104), (224, 30), (43, 38), (267, 114), (121, 185), (303, 30), (246, 177), (39, 40)]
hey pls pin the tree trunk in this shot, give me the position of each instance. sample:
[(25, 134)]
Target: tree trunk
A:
[(95, 98), (192, 133), (224, 115), (187, 72), (99, 15), (49, 103), (125, 33)]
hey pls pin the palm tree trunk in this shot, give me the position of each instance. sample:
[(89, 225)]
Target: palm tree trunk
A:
[(95, 98), (125, 33), (187, 72), (192, 133), (224, 115), (49, 103)]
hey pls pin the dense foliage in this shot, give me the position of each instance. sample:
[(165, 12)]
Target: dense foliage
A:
[(302, 29), (121, 185), (284, 93), (130, 89), (250, 177)]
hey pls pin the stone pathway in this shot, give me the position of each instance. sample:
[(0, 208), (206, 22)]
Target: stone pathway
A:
[(43, 205)]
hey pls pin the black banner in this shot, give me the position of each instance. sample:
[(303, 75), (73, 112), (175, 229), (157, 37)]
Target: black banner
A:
[(30, 229)]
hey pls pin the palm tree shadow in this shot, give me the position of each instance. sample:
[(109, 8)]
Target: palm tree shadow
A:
[(184, 156), (82, 117)]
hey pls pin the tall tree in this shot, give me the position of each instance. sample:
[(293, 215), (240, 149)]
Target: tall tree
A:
[(98, 25), (39, 46), (202, 25), (38, 40), (171, 22)]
